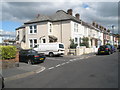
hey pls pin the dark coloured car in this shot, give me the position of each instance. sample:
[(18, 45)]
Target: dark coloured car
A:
[(31, 56), (113, 48), (118, 48), (1, 82), (105, 49)]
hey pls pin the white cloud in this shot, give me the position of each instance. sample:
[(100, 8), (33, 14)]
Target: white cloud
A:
[(105, 13)]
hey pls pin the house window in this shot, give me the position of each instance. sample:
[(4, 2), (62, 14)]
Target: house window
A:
[(43, 40), (80, 40), (75, 27), (33, 42), (50, 27), (76, 40), (33, 29)]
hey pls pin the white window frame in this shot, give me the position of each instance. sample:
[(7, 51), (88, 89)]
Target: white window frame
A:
[(76, 39), (50, 28), (33, 29), (33, 44), (75, 27)]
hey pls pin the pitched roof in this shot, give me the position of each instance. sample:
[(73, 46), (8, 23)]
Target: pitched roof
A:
[(39, 19), (23, 26), (58, 16)]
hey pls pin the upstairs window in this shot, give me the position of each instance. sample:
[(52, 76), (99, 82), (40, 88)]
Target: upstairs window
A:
[(75, 27), (50, 28), (33, 29)]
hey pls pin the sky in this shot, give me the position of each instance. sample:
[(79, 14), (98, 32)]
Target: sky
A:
[(14, 14)]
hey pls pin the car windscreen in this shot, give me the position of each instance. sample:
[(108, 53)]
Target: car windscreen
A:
[(61, 46), (32, 51), (102, 46)]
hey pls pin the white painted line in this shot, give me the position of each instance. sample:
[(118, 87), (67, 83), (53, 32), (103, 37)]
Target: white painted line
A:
[(68, 62), (41, 70), (55, 59), (58, 65), (50, 68), (71, 60), (34, 65), (62, 63)]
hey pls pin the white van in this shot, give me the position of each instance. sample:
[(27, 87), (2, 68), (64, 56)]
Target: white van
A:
[(50, 49)]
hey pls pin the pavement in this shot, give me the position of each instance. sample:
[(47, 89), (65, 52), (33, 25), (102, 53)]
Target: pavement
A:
[(24, 70)]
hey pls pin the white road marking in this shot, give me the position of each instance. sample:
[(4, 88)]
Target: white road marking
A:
[(58, 65), (62, 63), (50, 68), (55, 59), (71, 60), (68, 62), (41, 70)]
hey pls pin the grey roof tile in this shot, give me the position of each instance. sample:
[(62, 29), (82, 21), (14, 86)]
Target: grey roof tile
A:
[(38, 19), (59, 15)]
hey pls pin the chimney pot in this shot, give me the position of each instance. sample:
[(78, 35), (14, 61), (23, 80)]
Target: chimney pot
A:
[(38, 15), (69, 11), (93, 23), (77, 15)]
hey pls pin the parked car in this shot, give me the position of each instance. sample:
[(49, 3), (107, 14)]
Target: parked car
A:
[(31, 56), (118, 48), (105, 49), (113, 48), (1, 82)]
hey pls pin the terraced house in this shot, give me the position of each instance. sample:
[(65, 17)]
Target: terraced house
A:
[(59, 27)]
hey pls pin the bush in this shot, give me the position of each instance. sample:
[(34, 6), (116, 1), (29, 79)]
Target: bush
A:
[(108, 44), (72, 44), (85, 42), (7, 52)]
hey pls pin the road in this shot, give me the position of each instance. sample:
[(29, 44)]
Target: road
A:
[(100, 71)]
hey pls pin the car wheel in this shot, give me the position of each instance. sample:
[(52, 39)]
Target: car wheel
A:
[(30, 62), (51, 54)]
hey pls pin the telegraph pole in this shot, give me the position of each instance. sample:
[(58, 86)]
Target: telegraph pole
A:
[(113, 33)]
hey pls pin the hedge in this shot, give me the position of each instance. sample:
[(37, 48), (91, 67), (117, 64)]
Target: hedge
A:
[(7, 52)]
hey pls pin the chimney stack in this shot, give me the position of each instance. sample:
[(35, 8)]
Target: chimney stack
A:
[(69, 11), (94, 24), (38, 15), (77, 15)]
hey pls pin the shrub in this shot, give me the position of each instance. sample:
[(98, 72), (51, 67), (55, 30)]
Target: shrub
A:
[(7, 52), (108, 44), (72, 44), (85, 42)]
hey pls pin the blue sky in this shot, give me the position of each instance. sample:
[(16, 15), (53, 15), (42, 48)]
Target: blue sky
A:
[(84, 5), (9, 25)]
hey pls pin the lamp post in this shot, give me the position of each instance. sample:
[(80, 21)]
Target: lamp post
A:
[(113, 33)]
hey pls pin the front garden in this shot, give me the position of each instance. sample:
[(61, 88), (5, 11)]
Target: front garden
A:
[(8, 56)]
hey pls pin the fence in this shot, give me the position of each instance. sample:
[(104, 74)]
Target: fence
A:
[(71, 51)]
